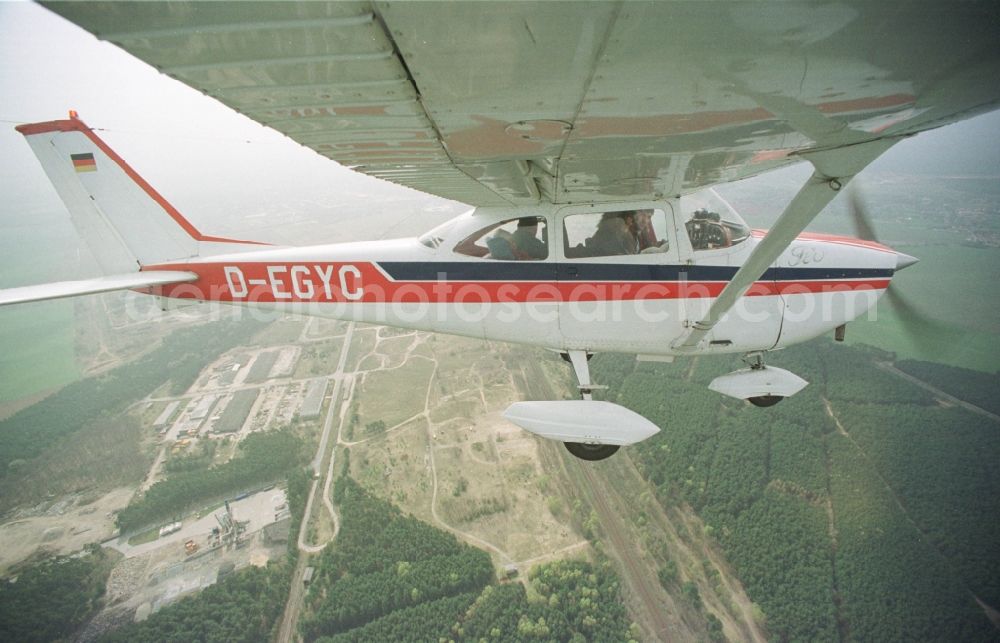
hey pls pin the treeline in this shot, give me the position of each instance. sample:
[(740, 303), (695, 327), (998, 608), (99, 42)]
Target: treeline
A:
[(180, 357), (264, 457), (430, 621), (574, 600), (356, 600), (390, 577), (199, 457), (383, 561), (104, 454), (243, 606), (51, 599), (894, 584), (818, 539), (942, 463), (981, 389)]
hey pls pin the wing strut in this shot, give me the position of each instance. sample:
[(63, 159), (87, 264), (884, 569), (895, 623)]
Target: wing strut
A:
[(833, 169)]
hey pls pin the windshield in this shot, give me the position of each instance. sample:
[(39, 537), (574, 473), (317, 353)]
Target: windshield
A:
[(436, 236), (711, 222)]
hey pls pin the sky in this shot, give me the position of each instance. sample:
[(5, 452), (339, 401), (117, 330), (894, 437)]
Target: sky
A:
[(209, 161)]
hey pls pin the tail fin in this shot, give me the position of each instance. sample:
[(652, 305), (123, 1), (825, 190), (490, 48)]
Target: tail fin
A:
[(124, 221)]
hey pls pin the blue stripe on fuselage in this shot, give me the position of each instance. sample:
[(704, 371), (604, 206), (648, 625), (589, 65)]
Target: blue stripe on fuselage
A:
[(490, 270)]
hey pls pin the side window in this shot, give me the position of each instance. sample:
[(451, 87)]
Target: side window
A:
[(523, 239), (620, 232)]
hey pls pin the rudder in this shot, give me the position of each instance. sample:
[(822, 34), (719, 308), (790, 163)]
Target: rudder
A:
[(124, 221)]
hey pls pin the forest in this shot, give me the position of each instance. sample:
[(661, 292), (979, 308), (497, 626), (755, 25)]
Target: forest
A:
[(262, 457), (860, 509), (389, 576), (243, 606), (981, 389), (27, 433), (383, 561), (50, 599)]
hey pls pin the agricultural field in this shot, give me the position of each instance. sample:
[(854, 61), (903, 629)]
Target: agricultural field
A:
[(393, 395)]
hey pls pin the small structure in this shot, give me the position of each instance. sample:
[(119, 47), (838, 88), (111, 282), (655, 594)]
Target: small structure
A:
[(231, 530), (313, 399), (166, 530), (203, 406), (165, 417)]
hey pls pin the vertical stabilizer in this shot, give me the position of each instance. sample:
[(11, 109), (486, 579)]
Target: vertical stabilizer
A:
[(124, 221)]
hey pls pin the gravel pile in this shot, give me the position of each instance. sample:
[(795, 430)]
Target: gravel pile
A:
[(127, 578)]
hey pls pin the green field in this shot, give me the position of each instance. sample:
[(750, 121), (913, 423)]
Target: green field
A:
[(36, 349), (36, 340), (956, 286)]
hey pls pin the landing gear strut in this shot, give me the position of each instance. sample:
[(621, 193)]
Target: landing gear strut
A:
[(756, 363), (586, 450)]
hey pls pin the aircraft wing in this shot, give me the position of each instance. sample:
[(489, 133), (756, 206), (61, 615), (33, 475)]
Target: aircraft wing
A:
[(500, 103)]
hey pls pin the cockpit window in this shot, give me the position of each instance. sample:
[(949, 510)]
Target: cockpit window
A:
[(435, 237), (711, 223), (521, 239)]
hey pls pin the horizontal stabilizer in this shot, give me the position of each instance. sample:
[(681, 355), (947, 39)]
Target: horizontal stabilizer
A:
[(108, 283), (585, 421)]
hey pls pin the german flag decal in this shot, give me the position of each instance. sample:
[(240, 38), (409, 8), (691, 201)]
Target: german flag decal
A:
[(84, 162)]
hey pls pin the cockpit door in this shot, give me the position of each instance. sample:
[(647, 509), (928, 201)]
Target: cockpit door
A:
[(714, 243), (616, 271)]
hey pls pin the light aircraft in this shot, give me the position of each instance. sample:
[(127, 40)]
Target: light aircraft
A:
[(585, 135)]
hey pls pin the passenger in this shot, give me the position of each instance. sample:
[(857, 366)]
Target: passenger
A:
[(501, 246), (526, 242), (645, 234), (615, 235)]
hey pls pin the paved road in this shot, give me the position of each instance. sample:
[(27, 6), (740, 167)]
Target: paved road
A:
[(296, 596)]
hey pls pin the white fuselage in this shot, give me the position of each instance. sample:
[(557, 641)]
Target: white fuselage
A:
[(640, 303)]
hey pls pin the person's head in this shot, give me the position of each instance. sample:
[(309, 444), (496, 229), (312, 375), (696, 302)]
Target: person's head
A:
[(528, 222), (625, 216)]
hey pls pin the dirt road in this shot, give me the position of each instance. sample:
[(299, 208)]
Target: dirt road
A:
[(968, 406)]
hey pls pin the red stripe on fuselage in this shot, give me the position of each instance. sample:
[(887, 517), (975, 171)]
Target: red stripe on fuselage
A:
[(365, 283), (833, 238)]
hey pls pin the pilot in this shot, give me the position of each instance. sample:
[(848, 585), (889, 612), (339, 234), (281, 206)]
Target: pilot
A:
[(706, 231), (615, 235), (645, 234), (526, 242)]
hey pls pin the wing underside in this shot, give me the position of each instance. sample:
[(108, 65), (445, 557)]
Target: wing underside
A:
[(500, 103)]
